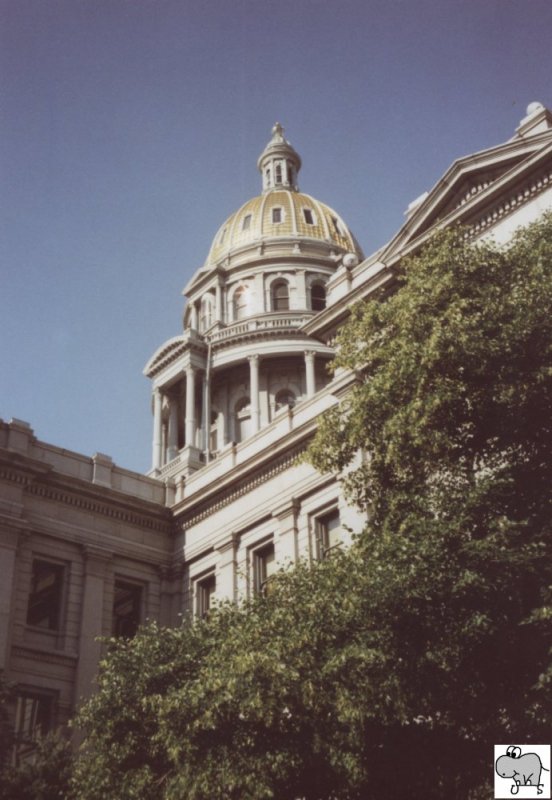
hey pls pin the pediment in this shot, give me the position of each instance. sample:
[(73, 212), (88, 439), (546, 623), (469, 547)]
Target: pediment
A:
[(469, 184)]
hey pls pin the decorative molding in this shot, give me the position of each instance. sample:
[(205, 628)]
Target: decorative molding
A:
[(95, 506), (62, 659), (15, 475), (232, 493), (516, 199)]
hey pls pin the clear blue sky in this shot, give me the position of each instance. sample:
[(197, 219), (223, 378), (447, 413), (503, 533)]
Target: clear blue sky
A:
[(130, 129)]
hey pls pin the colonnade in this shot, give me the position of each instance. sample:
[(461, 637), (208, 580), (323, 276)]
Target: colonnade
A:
[(165, 421)]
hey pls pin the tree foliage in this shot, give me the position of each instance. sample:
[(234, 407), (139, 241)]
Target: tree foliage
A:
[(45, 775), (390, 669)]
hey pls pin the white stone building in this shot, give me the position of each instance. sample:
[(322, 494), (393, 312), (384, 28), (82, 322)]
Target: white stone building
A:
[(90, 549)]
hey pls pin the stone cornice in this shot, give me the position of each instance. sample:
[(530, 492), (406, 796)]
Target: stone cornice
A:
[(191, 341), (158, 519), (34, 653), (200, 510), (514, 199)]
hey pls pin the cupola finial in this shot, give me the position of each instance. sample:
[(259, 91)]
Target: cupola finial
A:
[(279, 163)]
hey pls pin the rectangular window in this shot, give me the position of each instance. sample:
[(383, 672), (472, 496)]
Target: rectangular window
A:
[(34, 717), (204, 595), (46, 595), (307, 214), (246, 224), (127, 609), (328, 533), (276, 215), (264, 566)]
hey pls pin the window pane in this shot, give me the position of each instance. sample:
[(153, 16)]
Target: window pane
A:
[(318, 297), (46, 593), (264, 565), (205, 592), (280, 296), (328, 532), (309, 219), (127, 603), (246, 224), (276, 215)]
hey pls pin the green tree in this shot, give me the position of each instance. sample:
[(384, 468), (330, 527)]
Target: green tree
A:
[(452, 409), (390, 669), (43, 776)]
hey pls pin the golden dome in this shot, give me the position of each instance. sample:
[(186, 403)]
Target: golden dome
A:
[(281, 215), (285, 214)]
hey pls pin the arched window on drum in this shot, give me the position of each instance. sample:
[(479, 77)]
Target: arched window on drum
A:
[(280, 296), (318, 297)]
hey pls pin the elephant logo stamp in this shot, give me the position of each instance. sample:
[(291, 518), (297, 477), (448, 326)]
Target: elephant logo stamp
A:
[(522, 771)]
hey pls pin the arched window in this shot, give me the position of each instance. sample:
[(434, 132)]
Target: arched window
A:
[(284, 398), (318, 297), (240, 303), (206, 319), (278, 173), (242, 418), (280, 296)]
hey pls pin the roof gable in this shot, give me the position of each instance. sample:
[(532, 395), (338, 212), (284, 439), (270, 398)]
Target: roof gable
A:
[(468, 185)]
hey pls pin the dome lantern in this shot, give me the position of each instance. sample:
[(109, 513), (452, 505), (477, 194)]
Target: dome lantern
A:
[(279, 163)]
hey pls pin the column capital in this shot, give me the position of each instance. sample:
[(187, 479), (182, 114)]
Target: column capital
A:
[(227, 543), (254, 359), (310, 353), (96, 559)]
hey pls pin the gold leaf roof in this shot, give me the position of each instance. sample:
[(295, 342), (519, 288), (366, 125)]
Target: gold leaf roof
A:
[(300, 217)]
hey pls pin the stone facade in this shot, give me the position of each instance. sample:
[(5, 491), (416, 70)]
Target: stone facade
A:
[(89, 549)]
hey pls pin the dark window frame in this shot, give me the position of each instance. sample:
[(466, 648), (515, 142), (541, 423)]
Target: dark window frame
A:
[(205, 587), (35, 715), (277, 212), (48, 598), (279, 302), (126, 625), (308, 216), (323, 528), (262, 556)]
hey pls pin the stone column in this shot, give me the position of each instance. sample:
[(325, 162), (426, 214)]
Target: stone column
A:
[(254, 391), (286, 542), (224, 424), (301, 289), (218, 303), (226, 573), (206, 406), (309, 370), (165, 596), (8, 559), (190, 407), (96, 570), (193, 317), (157, 429), (172, 436)]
